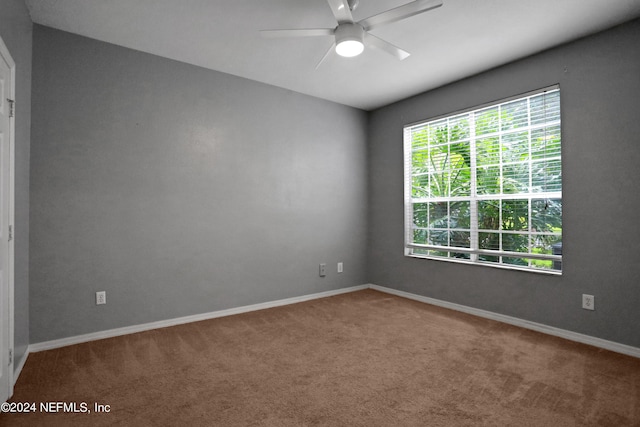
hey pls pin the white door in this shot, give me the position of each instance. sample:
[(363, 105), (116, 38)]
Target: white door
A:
[(7, 70)]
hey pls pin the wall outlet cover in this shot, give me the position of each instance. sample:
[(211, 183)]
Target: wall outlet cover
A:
[(323, 270), (588, 302), (101, 297)]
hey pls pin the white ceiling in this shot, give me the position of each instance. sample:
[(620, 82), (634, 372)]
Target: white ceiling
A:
[(459, 39)]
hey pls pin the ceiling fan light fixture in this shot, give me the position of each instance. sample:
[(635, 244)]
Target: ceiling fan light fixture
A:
[(349, 48), (349, 39)]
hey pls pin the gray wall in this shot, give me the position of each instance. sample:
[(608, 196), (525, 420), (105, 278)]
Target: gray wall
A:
[(599, 79), (16, 32), (180, 190)]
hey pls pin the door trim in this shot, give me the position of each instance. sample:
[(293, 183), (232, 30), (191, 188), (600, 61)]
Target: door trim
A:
[(4, 52)]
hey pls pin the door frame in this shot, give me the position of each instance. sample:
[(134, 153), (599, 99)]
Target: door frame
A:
[(9, 328)]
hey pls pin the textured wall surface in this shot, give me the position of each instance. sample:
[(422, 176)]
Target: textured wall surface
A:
[(16, 32), (180, 190), (599, 85)]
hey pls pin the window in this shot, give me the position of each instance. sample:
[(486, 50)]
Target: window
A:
[(485, 186)]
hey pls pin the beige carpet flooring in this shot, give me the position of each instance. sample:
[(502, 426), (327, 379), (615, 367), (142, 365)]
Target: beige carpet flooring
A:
[(359, 359)]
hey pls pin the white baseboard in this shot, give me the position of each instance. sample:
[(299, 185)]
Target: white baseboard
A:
[(539, 327), (18, 369), (48, 345)]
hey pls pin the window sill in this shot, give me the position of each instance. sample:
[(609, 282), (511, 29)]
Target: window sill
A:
[(487, 264)]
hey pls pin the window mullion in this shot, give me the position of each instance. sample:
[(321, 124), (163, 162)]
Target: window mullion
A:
[(449, 171), (530, 222), (501, 169), (473, 204)]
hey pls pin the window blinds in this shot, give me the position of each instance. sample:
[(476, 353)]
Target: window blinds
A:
[(485, 186)]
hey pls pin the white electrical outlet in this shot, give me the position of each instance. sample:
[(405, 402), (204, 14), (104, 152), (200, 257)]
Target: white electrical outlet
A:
[(588, 302), (340, 267), (101, 297)]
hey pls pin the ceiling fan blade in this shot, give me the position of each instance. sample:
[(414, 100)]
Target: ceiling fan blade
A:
[(326, 55), (398, 13), (385, 46), (309, 32), (341, 11)]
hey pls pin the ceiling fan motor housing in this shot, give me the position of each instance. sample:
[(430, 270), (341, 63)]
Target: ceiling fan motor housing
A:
[(349, 39)]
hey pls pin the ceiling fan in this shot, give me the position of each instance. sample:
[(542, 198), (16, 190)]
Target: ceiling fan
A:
[(350, 37)]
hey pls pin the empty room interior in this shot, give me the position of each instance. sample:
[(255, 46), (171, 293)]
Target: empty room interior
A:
[(216, 213)]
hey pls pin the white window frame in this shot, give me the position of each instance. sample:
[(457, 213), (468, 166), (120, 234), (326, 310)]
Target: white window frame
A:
[(416, 250)]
